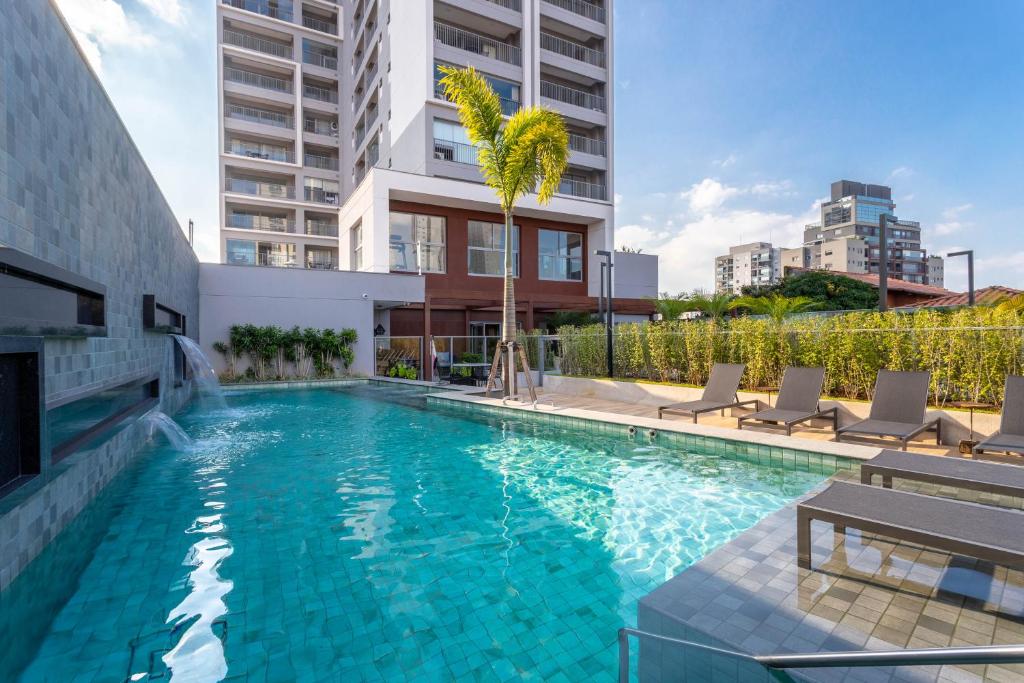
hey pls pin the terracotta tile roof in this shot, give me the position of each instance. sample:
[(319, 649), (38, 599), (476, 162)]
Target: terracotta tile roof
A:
[(985, 295), (894, 285)]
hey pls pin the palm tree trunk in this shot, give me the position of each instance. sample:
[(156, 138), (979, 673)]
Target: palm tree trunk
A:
[(508, 324)]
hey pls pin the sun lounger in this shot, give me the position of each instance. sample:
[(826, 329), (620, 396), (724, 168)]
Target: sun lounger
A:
[(989, 477), (719, 394), (981, 531), (1010, 437), (798, 401), (898, 409)]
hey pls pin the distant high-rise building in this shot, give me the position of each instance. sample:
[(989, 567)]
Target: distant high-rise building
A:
[(852, 214), (756, 263)]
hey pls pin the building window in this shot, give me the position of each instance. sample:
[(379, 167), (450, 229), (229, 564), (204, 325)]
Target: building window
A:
[(561, 255), (357, 247), (451, 143), (417, 243), (487, 249), (249, 253)]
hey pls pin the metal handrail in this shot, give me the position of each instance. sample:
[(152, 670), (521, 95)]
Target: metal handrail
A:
[(513, 5), (263, 7), (582, 8), (508, 106), (571, 49), (320, 25), (459, 152), (578, 98), (321, 60), (462, 39), (581, 143), (582, 188), (320, 127), (982, 654), (258, 80), (257, 43), (255, 115), (315, 92), (320, 161)]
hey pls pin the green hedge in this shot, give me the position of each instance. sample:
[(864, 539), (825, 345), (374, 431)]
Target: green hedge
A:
[(276, 353), (968, 351)]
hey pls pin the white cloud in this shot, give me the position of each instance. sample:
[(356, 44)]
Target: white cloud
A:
[(901, 172), (782, 188), (708, 194), (170, 11), (952, 222), (100, 25), (726, 162)]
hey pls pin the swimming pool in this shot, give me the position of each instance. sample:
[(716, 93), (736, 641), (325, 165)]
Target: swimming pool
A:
[(358, 534)]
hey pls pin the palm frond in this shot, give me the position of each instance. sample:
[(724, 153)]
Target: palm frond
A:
[(478, 105)]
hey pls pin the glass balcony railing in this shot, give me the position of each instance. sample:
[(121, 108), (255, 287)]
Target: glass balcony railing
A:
[(318, 262), (259, 188), (320, 196), (315, 92), (462, 39), (323, 61), (322, 162), (508, 106), (275, 9), (245, 221), (320, 127), (257, 151), (321, 228), (320, 25)]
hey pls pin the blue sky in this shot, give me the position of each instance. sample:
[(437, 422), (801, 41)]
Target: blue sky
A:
[(732, 118)]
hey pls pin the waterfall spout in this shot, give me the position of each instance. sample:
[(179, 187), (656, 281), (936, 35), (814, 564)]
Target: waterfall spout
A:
[(156, 421), (202, 372)]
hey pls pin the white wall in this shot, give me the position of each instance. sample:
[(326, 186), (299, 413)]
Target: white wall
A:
[(635, 275), (236, 295)]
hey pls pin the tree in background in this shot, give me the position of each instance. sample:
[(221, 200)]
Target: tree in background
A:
[(670, 307), (775, 306), (832, 292), (714, 306), (563, 318), (527, 154)]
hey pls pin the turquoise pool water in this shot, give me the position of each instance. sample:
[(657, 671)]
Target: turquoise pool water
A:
[(356, 534)]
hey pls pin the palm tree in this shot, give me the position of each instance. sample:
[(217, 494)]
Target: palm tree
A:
[(1013, 304), (775, 306), (528, 152), (715, 305), (671, 307)]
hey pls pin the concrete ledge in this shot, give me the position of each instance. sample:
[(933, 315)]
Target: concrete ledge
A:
[(292, 384)]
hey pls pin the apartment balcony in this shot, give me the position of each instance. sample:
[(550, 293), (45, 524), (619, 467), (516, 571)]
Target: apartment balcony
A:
[(582, 189), (572, 50), (574, 97), (468, 41), (320, 262), (373, 154), (245, 221), (459, 152), (320, 60), (256, 43), (315, 92), (320, 25), (260, 116), (514, 5), (319, 196), (256, 80), (585, 145), (255, 150), (321, 228), (258, 188), (508, 106), (320, 127), (587, 10), (360, 135), (276, 260), (268, 8), (322, 162)]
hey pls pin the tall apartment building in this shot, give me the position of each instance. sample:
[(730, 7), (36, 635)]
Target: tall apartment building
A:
[(851, 215), (757, 263), (339, 149)]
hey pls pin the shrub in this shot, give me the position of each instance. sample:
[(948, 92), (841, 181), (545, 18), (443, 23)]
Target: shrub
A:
[(288, 353), (968, 351)]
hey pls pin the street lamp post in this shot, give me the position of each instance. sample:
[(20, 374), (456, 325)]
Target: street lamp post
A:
[(606, 269), (883, 261), (969, 253)]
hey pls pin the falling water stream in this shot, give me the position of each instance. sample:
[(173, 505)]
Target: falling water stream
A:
[(157, 421), (202, 372)]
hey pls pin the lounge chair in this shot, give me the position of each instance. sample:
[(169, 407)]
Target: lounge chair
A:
[(981, 531), (1010, 437), (798, 401), (898, 409), (719, 394), (997, 478)]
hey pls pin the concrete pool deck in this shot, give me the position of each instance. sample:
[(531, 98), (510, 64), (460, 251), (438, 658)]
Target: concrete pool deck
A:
[(864, 592)]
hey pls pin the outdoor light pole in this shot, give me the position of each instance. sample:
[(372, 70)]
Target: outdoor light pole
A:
[(969, 253), (606, 267), (883, 261)]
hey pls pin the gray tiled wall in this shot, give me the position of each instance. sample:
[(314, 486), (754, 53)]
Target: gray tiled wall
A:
[(75, 192)]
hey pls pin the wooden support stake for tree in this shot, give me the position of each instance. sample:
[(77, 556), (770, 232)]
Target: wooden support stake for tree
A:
[(493, 374)]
